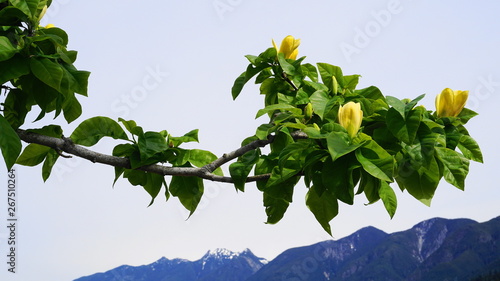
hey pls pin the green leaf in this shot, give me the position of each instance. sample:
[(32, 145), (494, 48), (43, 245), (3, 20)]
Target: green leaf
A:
[(239, 173), (12, 16), (151, 143), (90, 131), (200, 158), (421, 181), (131, 126), (245, 77), (279, 106), (191, 136), (319, 101), (16, 107), (340, 177), (339, 144), (370, 186), (189, 190), (72, 109), (49, 72), (405, 129), (388, 198), (28, 7), (10, 144), (153, 185), (327, 71), (33, 155), (470, 148), (15, 67), (310, 71), (7, 51), (275, 208), (466, 114), (50, 160), (455, 166), (375, 160), (287, 67), (397, 104), (324, 207)]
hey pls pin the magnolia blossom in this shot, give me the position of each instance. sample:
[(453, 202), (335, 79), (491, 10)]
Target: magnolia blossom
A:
[(289, 47), (450, 103), (350, 117)]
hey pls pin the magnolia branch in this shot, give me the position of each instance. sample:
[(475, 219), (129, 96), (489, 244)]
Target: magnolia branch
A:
[(205, 172)]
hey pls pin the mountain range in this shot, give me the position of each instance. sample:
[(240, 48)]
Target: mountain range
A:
[(435, 249)]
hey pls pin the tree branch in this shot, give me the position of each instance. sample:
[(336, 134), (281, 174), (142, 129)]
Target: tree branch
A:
[(205, 172)]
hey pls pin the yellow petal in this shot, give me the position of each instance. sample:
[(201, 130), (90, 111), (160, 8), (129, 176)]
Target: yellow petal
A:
[(460, 98), (289, 47), (350, 117)]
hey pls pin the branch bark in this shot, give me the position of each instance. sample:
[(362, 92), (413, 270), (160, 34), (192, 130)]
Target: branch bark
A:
[(205, 172)]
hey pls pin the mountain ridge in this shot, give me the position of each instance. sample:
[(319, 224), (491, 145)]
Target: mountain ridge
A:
[(434, 249)]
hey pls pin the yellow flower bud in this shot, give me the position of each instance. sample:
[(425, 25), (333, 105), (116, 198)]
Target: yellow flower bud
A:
[(450, 103), (50, 26), (42, 13), (335, 85), (308, 111), (350, 117), (289, 47)]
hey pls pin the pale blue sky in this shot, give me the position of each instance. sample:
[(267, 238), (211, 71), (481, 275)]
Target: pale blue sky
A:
[(171, 64)]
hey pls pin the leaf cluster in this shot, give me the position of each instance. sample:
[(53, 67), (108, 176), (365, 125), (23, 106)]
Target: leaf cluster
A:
[(36, 70), (399, 141)]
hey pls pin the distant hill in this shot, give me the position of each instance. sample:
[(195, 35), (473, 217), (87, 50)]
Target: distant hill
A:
[(435, 249)]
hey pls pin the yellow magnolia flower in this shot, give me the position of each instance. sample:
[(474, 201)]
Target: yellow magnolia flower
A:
[(289, 47), (50, 25), (350, 117), (450, 103)]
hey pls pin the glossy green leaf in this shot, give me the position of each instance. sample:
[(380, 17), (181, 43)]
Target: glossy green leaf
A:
[(389, 198), (275, 208), (245, 77), (324, 207), (340, 177), (72, 109), (47, 71), (14, 67), (339, 144), (49, 163), (10, 144), (376, 160), (151, 143), (279, 106), (470, 148), (455, 166), (420, 181), (12, 16), (33, 155), (370, 186), (189, 190), (7, 51), (90, 131), (239, 173), (191, 136), (327, 71), (405, 129), (28, 7), (16, 107), (200, 158), (287, 67), (319, 101), (310, 71), (153, 185)]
